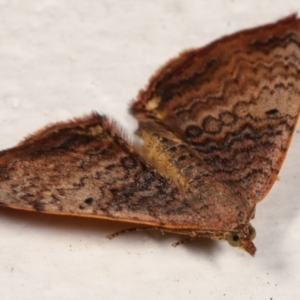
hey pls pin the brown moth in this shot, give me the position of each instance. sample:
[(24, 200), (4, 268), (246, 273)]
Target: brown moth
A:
[(216, 123)]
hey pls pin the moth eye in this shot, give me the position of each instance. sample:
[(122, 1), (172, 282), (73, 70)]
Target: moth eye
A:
[(252, 232), (234, 240)]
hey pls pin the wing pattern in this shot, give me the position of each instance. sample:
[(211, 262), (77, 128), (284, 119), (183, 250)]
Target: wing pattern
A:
[(236, 102)]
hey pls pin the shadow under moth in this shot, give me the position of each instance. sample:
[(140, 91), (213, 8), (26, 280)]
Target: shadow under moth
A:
[(215, 125)]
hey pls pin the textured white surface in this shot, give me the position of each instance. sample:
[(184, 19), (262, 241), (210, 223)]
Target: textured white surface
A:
[(61, 59)]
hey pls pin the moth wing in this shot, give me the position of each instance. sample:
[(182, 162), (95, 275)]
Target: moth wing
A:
[(235, 101), (85, 167)]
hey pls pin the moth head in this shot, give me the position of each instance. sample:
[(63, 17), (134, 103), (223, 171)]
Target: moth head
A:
[(242, 237)]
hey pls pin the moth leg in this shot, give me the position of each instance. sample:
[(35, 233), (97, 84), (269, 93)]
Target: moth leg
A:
[(253, 214), (191, 238), (111, 236)]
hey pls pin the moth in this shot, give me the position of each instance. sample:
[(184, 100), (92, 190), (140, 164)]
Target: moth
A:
[(215, 125)]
